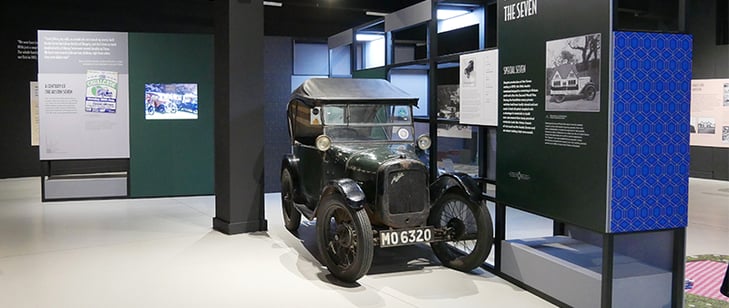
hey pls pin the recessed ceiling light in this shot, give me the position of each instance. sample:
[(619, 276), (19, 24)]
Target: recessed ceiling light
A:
[(273, 3), (450, 13), (369, 37), (373, 13)]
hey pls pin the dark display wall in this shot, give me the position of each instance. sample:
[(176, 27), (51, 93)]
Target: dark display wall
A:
[(17, 157), (552, 157), (171, 157), (276, 91)]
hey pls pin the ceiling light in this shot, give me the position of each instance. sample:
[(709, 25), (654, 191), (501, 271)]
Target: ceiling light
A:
[(369, 37), (373, 13), (450, 13), (273, 3)]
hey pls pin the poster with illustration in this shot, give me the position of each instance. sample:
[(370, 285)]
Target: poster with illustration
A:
[(101, 91)]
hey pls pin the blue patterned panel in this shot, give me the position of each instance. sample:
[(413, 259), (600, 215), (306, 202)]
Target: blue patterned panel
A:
[(650, 141)]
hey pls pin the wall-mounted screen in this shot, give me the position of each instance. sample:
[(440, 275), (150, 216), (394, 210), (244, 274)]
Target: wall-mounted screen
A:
[(170, 101)]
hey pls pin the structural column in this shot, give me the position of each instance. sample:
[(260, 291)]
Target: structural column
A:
[(239, 117)]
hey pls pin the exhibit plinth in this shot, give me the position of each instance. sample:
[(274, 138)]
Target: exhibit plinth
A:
[(571, 271), (85, 186)]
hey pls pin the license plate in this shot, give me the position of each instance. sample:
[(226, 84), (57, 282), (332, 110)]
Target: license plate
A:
[(390, 238)]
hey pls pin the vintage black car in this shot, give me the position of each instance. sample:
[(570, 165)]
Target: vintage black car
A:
[(356, 167)]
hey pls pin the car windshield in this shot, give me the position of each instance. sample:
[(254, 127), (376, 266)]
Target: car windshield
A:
[(368, 122)]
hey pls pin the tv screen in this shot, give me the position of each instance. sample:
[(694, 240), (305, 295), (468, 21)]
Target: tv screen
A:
[(170, 101)]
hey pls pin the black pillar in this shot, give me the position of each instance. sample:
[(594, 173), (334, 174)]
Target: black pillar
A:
[(239, 116)]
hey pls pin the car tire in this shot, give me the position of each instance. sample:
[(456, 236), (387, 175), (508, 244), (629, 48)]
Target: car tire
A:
[(291, 216), (150, 109), (558, 98), (472, 227), (173, 108), (344, 237), (589, 93)]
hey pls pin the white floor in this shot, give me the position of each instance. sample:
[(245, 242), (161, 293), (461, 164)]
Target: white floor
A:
[(163, 253)]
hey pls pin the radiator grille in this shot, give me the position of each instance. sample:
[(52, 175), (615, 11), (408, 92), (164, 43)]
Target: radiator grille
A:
[(406, 191)]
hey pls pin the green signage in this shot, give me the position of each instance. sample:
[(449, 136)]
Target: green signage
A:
[(552, 154)]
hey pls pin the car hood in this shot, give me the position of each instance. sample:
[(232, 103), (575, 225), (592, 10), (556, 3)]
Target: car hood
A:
[(368, 158)]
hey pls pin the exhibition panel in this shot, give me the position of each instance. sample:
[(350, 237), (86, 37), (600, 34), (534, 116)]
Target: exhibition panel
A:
[(83, 81), (171, 74), (608, 114), (544, 109), (83, 112), (87, 80)]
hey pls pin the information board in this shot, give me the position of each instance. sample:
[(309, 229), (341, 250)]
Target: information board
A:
[(83, 90)]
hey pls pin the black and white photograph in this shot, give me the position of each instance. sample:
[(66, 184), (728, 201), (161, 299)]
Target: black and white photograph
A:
[(448, 102), (692, 127), (726, 95), (725, 134), (468, 72), (706, 126), (573, 74)]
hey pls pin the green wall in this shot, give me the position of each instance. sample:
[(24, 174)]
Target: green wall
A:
[(374, 73), (552, 158), (171, 157)]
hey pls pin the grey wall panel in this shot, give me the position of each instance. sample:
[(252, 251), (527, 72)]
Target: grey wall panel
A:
[(340, 39), (409, 16), (85, 187)]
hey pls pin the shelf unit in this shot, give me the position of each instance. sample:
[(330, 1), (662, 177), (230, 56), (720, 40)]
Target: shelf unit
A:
[(407, 48)]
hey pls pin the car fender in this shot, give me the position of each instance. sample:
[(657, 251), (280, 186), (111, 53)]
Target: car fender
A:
[(457, 180), (588, 85), (291, 163), (349, 189)]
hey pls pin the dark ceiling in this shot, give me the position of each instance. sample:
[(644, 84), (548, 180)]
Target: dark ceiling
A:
[(316, 19), (323, 18), (296, 18)]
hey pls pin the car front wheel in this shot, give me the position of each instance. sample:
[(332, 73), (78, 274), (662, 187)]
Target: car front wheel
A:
[(291, 216), (344, 236), (469, 227)]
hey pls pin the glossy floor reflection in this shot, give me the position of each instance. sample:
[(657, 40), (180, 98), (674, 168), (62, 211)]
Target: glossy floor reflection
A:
[(163, 253)]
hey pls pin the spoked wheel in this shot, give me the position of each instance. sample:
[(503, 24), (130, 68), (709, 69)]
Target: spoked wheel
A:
[(470, 226), (291, 216), (150, 109), (173, 108), (589, 93), (344, 237)]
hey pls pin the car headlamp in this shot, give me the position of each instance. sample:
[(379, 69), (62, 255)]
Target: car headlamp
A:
[(424, 142), (323, 142)]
